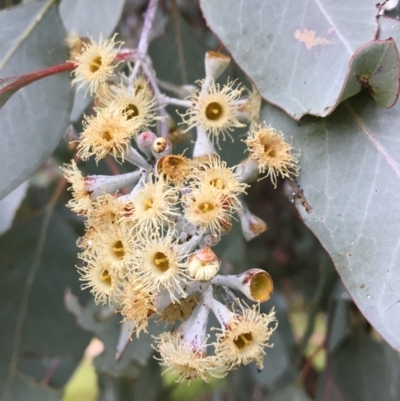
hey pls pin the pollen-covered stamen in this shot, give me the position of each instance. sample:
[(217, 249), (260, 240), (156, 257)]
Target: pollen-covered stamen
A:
[(95, 63), (161, 263), (272, 153), (214, 110), (245, 337)]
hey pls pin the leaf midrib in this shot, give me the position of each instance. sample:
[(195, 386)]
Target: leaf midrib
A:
[(26, 33)]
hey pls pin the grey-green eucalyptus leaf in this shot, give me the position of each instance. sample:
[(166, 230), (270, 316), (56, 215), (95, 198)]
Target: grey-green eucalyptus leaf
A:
[(350, 178), (37, 264), (296, 53), (360, 369), (34, 119)]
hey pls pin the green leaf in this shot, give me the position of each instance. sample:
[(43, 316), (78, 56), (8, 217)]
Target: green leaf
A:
[(276, 362), (106, 325), (25, 388), (375, 67), (37, 262), (89, 18), (34, 119), (289, 393), (350, 176), (361, 369), (179, 48), (296, 54)]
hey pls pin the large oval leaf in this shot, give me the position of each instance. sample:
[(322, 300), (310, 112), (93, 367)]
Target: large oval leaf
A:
[(296, 53), (35, 118), (37, 264), (350, 175)]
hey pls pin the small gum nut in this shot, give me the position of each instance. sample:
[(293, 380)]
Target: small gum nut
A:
[(216, 63), (203, 265), (257, 285), (145, 141)]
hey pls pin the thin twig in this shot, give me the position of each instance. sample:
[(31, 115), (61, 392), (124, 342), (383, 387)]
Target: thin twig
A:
[(144, 38), (162, 122)]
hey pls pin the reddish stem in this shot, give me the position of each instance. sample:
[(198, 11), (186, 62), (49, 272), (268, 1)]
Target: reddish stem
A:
[(20, 81)]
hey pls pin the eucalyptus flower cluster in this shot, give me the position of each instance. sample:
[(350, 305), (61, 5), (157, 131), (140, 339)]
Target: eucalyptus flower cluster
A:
[(148, 245)]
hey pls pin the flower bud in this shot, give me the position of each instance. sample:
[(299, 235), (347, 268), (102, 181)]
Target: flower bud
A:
[(97, 185), (256, 284), (144, 142), (216, 63), (247, 170), (252, 226), (203, 265), (203, 146), (161, 147)]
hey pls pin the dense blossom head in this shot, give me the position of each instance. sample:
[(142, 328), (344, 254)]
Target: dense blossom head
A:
[(106, 132), (215, 110), (147, 247), (272, 153), (96, 63), (245, 337)]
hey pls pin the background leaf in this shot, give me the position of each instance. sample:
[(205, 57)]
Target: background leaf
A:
[(106, 325), (351, 180), (35, 118), (296, 54), (361, 369), (34, 321)]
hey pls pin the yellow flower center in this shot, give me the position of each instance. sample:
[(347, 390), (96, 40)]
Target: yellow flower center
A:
[(243, 340), (105, 277), (214, 111), (148, 204), (107, 136), (131, 111), (261, 287), (206, 207), (95, 64), (118, 250), (218, 183), (161, 261)]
